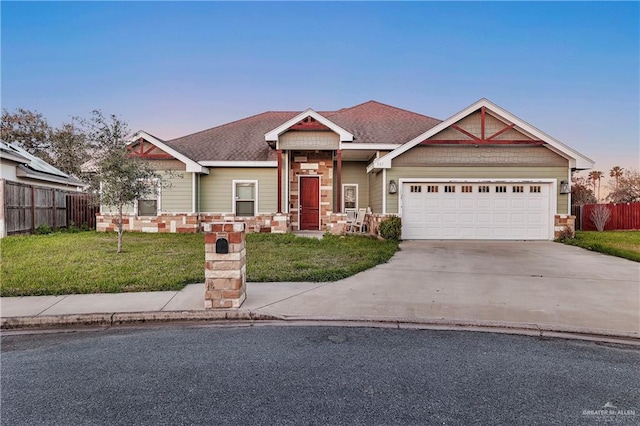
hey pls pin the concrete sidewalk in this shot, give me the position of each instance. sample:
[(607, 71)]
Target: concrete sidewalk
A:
[(526, 287)]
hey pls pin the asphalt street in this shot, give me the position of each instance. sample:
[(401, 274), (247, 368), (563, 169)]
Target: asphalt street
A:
[(277, 375)]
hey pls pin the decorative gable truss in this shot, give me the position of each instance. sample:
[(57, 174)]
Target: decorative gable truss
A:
[(145, 150), (308, 120), (485, 123), (147, 146)]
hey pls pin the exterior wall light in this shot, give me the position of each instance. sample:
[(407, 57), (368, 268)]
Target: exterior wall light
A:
[(565, 188), (393, 187)]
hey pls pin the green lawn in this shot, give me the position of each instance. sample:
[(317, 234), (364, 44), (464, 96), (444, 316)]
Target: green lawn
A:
[(624, 244), (87, 262)]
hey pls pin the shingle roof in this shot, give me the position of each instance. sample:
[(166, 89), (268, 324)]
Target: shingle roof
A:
[(243, 140)]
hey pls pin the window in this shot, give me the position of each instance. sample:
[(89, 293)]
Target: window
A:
[(501, 189), (245, 200), (518, 188), (534, 188), (432, 188), (449, 188), (148, 206), (483, 188), (350, 196), (466, 188), (416, 188)]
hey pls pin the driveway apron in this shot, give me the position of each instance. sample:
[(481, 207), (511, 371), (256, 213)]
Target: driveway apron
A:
[(542, 283)]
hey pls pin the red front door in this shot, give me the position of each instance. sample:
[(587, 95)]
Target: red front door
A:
[(310, 203)]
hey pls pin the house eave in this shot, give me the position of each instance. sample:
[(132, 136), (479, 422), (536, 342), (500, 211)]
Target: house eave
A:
[(190, 165), (24, 172), (255, 164)]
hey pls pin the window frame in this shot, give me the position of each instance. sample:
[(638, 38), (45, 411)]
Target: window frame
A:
[(157, 199), (234, 199), (344, 202)]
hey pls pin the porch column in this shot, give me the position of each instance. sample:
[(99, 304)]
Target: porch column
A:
[(279, 181), (339, 182)]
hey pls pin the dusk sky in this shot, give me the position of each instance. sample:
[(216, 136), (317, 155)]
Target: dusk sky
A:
[(570, 69)]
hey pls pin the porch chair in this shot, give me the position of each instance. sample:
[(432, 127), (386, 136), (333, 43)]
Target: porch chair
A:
[(357, 224), (351, 216)]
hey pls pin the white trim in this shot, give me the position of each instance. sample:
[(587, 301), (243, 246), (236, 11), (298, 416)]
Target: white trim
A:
[(191, 166), (239, 163), (553, 192), (576, 160), (384, 191), (300, 177), (233, 195), (370, 146), (274, 134), (357, 196), (193, 193)]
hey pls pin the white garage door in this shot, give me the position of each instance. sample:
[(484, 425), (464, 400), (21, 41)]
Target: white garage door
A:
[(491, 211)]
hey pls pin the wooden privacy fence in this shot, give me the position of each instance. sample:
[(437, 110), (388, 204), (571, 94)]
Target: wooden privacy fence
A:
[(26, 207), (623, 216)]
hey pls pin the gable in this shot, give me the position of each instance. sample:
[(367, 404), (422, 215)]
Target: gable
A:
[(485, 123), (145, 145), (142, 148), (482, 128), (308, 120)]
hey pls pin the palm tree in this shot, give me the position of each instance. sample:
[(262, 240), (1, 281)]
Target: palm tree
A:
[(616, 172), (595, 176)]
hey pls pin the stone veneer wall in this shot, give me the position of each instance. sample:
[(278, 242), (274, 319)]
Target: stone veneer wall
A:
[(317, 164), (225, 274), (563, 222), (183, 223)]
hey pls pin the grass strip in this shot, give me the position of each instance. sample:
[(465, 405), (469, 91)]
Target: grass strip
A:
[(87, 262), (625, 244)]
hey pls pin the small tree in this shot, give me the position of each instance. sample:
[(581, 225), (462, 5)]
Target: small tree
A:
[(64, 147), (600, 215), (616, 172), (116, 176), (29, 129), (627, 189), (581, 193), (595, 177)]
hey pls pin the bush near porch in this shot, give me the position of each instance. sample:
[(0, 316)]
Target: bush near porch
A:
[(625, 244), (87, 262)]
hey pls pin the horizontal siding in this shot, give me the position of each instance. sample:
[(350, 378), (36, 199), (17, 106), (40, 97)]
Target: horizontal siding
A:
[(216, 188), (558, 173), (375, 192), (176, 198), (356, 173)]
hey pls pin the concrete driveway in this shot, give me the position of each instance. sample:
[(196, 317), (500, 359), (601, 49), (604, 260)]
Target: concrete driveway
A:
[(543, 284)]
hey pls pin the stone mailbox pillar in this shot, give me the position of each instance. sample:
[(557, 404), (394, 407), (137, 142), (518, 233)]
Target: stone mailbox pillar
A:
[(225, 266)]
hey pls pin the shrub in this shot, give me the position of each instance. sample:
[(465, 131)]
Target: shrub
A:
[(391, 228), (600, 215), (43, 229), (566, 234)]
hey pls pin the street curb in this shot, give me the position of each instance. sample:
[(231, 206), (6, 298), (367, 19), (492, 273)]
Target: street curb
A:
[(122, 318), (231, 315)]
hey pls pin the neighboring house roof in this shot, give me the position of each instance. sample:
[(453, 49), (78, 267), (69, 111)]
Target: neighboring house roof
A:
[(33, 167), (244, 140)]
